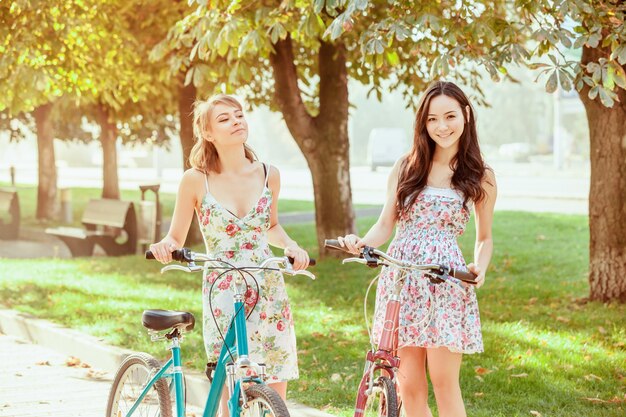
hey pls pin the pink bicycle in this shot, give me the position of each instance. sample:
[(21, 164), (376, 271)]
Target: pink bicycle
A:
[(378, 394)]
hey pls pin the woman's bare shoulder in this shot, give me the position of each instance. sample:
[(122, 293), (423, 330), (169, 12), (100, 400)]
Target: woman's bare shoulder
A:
[(193, 177)]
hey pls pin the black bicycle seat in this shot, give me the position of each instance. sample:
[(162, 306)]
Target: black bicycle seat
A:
[(165, 319)]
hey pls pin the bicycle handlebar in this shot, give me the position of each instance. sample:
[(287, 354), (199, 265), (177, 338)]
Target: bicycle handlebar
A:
[(372, 258), (186, 255)]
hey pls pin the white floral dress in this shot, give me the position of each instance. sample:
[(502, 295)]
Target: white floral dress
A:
[(431, 315), (243, 242)]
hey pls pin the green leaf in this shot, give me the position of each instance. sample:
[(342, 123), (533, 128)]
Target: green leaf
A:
[(193, 52), (197, 77), (605, 98), (619, 75), (594, 40), (552, 83), (393, 58), (565, 39), (318, 5), (580, 41), (565, 80), (379, 46), (608, 80), (247, 43), (336, 29), (189, 75), (620, 54), (593, 93)]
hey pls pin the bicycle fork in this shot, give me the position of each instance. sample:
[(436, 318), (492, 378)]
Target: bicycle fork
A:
[(383, 359)]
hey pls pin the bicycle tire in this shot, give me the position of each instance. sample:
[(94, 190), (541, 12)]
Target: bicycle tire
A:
[(383, 401), (262, 399), (125, 389)]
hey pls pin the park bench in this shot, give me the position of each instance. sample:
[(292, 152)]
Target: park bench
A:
[(110, 224), (9, 214)]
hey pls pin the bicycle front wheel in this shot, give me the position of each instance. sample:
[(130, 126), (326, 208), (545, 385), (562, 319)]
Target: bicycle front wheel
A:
[(383, 400), (262, 401), (131, 378)]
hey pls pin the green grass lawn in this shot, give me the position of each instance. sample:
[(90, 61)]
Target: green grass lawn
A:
[(546, 350)]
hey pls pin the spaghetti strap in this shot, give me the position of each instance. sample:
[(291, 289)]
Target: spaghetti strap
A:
[(206, 182), (266, 170)]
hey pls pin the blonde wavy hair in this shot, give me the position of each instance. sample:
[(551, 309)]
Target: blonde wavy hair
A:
[(203, 155)]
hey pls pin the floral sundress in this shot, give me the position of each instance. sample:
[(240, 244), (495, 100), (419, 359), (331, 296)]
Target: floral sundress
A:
[(431, 315), (243, 242)]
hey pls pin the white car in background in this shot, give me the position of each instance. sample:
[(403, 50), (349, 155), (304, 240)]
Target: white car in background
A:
[(385, 146)]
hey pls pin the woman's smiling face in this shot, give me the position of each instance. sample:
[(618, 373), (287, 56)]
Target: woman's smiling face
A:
[(445, 122)]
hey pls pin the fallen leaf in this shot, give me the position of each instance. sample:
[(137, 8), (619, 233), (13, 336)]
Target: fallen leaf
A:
[(535, 413), (72, 361), (595, 400), (335, 377), (42, 363), (85, 365), (482, 371), (532, 300), (510, 367), (18, 374), (562, 319), (478, 377), (478, 394), (591, 377), (602, 330), (540, 237), (523, 375), (93, 374), (587, 358)]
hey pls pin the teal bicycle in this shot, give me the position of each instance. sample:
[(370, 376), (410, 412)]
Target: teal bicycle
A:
[(142, 387)]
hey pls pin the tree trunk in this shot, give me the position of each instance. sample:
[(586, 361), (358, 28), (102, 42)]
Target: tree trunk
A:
[(607, 194), (108, 139), (186, 98), (47, 183), (322, 139)]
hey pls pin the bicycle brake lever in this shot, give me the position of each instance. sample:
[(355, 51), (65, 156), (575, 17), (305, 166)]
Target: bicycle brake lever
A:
[(357, 260), (194, 268), (305, 273)]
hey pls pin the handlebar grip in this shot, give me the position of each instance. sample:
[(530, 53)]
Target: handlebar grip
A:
[(334, 244), (179, 255), (464, 276), (311, 261)]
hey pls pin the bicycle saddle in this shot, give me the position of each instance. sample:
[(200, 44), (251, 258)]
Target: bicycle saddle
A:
[(165, 319)]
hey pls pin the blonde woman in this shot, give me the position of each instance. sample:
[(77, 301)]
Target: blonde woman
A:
[(235, 198)]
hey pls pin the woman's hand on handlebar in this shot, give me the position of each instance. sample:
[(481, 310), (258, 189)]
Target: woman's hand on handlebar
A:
[(162, 250), (299, 255), (352, 243), (480, 275)]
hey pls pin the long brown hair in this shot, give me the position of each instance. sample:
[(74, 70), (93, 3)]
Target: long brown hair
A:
[(467, 165), (203, 155)]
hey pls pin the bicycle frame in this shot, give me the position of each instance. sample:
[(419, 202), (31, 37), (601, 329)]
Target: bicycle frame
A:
[(236, 333)]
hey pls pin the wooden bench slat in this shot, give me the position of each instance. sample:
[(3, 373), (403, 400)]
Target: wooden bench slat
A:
[(106, 212)]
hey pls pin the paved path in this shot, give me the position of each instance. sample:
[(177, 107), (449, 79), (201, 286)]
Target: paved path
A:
[(37, 382)]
